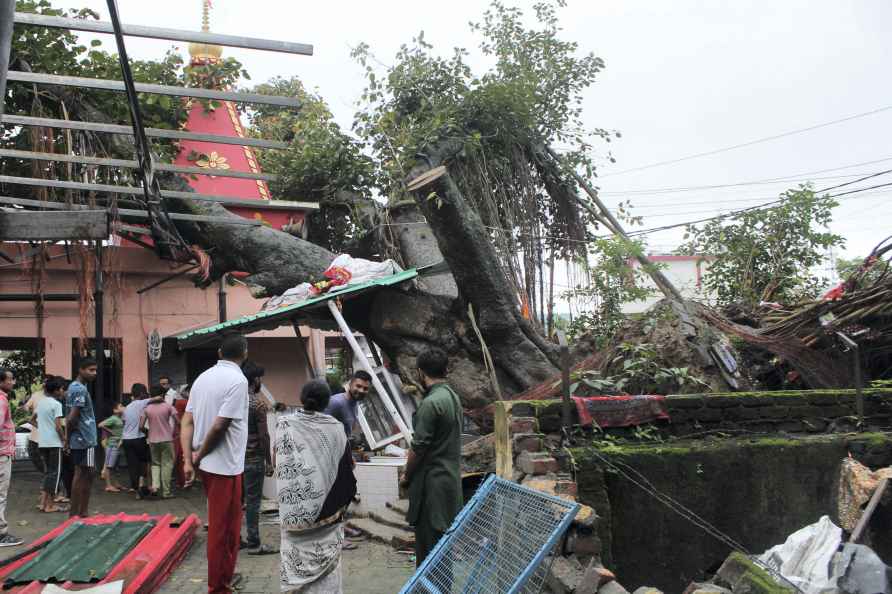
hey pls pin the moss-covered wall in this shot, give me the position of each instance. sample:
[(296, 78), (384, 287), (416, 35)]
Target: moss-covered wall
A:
[(756, 490), (807, 411)]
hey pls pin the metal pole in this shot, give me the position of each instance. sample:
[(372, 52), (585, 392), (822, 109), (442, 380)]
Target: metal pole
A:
[(161, 33), (566, 412), (129, 164), (169, 277), (38, 297), (859, 385), (16, 120), (364, 363), (859, 380), (613, 225), (7, 12), (311, 369), (221, 299), (104, 84), (99, 386)]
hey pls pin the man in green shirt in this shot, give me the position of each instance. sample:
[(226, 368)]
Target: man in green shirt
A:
[(433, 474)]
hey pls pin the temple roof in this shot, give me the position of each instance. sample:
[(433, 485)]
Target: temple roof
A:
[(222, 118)]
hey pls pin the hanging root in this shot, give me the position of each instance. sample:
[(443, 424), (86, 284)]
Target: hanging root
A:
[(204, 262)]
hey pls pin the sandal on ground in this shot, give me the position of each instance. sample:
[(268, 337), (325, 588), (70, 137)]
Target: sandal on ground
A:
[(112, 490), (56, 509), (62, 500), (349, 546), (262, 550), (236, 580)]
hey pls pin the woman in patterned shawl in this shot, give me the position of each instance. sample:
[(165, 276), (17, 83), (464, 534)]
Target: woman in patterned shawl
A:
[(315, 483)]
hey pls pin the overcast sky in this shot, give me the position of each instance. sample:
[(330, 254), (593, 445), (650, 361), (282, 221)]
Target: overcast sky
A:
[(682, 78)]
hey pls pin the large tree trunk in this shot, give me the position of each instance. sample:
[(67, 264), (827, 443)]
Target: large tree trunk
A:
[(403, 322)]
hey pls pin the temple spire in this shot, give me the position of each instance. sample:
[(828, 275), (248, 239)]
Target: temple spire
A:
[(206, 16), (205, 53)]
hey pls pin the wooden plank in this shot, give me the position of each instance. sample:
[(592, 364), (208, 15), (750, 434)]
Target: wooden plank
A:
[(135, 191), (269, 45), (129, 212), (503, 447), (116, 85), (130, 164), (54, 226), (861, 526), (18, 120), (132, 229)]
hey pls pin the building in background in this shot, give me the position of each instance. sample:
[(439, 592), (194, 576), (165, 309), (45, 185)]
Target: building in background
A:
[(685, 272), (140, 306)]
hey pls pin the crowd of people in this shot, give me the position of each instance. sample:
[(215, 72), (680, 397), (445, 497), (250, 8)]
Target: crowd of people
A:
[(217, 433)]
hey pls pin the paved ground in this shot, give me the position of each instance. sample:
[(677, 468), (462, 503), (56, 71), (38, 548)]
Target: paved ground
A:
[(370, 569)]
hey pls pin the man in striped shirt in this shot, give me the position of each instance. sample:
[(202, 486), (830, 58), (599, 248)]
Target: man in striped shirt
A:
[(7, 452)]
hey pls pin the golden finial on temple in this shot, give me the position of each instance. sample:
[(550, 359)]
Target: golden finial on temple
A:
[(205, 53)]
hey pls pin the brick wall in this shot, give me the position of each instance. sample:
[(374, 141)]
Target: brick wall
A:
[(810, 411)]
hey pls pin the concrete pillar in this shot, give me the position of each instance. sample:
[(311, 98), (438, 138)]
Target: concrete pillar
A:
[(134, 361), (316, 349)]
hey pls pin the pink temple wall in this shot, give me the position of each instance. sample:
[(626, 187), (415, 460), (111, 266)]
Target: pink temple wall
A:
[(172, 308)]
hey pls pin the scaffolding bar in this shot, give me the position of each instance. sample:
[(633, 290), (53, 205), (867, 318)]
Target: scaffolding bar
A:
[(116, 85), (129, 164), (7, 9), (134, 191), (150, 132), (127, 212), (286, 47)]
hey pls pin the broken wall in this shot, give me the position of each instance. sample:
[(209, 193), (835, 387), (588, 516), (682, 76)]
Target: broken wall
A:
[(757, 490), (756, 465)]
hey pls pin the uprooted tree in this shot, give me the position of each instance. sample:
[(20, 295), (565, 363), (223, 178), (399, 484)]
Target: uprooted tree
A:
[(467, 154), (501, 212)]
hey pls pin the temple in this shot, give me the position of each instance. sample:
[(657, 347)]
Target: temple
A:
[(144, 308)]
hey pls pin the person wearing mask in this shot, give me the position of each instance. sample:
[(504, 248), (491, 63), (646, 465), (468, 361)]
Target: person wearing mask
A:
[(258, 460), (315, 484), (159, 419), (344, 406), (433, 475), (7, 452), (80, 427), (51, 436), (214, 436), (133, 440)]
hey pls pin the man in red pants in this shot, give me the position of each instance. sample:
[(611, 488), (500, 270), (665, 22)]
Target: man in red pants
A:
[(214, 435)]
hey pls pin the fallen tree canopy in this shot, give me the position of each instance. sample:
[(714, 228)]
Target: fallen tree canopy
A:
[(471, 154)]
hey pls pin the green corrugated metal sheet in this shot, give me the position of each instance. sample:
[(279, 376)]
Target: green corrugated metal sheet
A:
[(283, 315), (83, 553)]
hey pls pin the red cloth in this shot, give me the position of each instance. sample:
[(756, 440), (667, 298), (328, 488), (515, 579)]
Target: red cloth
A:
[(224, 495), (620, 411)]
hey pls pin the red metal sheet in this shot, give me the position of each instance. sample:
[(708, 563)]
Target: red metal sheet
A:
[(144, 569)]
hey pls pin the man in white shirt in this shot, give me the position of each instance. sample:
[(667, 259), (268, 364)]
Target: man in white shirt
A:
[(33, 438), (214, 436), (169, 393)]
